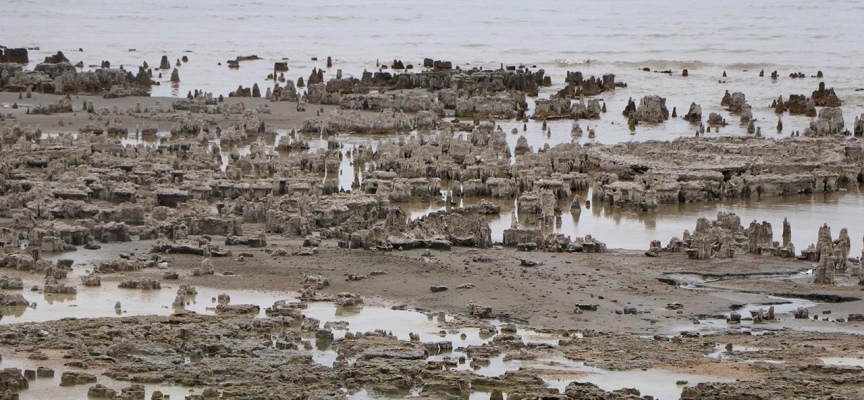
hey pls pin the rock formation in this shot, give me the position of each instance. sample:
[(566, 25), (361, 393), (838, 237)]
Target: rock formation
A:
[(830, 122), (694, 114), (651, 109), (17, 56), (724, 237), (825, 98)]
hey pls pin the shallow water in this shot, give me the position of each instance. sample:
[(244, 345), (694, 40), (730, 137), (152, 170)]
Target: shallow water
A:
[(99, 302), (94, 302), (843, 361), (625, 228), (661, 384), (670, 34), (658, 383), (784, 309), (722, 354), (49, 388)]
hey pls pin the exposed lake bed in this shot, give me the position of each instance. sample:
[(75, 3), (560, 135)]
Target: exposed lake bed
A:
[(560, 212)]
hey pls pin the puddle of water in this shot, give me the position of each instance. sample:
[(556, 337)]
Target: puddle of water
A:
[(663, 385), (88, 259), (653, 382), (658, 383), (49, 388), (499, 366), (781, 306), (843, 361), (99, 301), (722, 354), (94, 302), (404, 322)]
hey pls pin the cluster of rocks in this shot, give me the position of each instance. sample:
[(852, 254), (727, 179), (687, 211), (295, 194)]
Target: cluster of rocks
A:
[(64, 78), (725, 237), (651, 109), (831, 256), (174, 204), (225, 357), (289, 197), (387, 121), (530, 239), (698, 170)]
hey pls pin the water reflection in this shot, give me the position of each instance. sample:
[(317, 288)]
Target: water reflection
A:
[(627, 228)]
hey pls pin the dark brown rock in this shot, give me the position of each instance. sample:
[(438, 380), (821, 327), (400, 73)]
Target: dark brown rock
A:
[(18, 56)]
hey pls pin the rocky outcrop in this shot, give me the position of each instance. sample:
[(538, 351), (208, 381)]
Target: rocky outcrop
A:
[(70, 378), (12, 380), (551, 108), (467, 82), (798, 104), (694, 114), (64, 79), (461, 228), (284, 93), (577, 85), (144, 283), (252, 241), (171, 197), (7, 72), (56, 58), (541, 202), (52, 286), (735, 102), (504, 105), (346, 299), (63, 105), (11, 282), (407, 103), (715, 119), (725, 237), (858, 128), (830, 122), (17, 56), (673, 172), (583, 110), (13, 300), (387, 121), (316, 93), (824, 272), (651, 109), (825, 97)]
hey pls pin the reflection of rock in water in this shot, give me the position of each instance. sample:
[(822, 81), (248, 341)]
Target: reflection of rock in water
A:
[(13, 311)]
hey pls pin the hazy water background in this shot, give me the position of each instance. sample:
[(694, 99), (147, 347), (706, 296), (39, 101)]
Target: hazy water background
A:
[(621, 37)]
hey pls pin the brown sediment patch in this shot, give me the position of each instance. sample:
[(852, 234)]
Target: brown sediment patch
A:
[(725, 369)]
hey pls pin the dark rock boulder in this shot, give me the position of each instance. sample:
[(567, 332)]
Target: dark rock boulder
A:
[(18, 56), (57, 58), (825, 97)]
